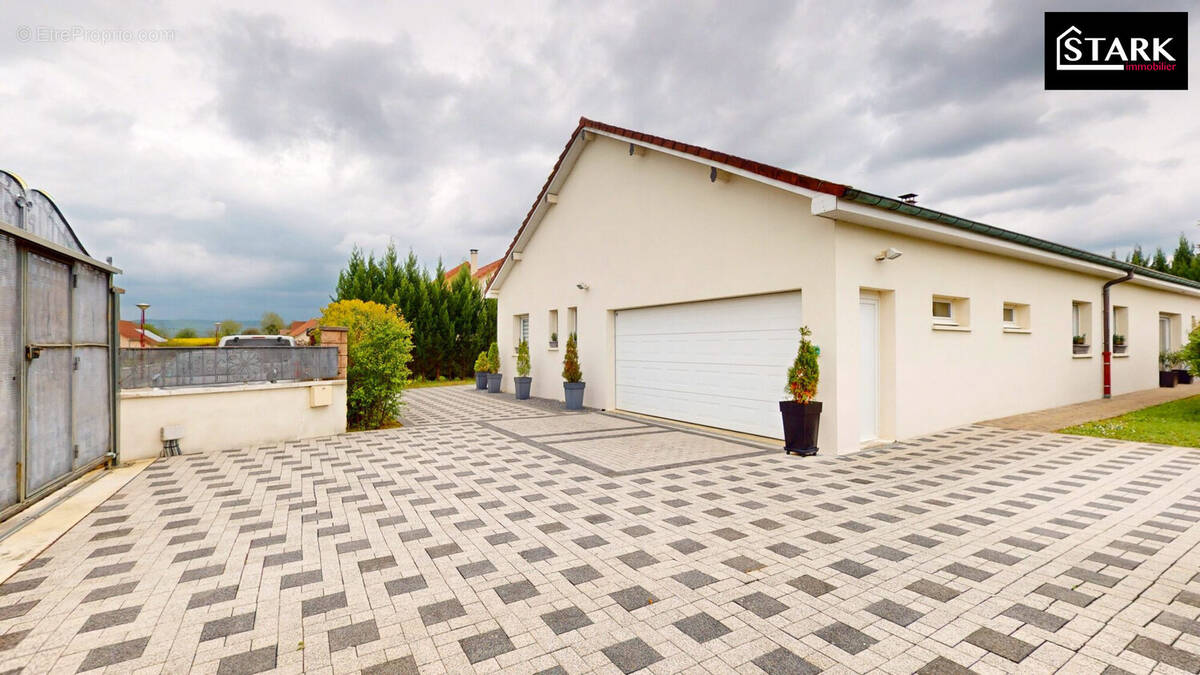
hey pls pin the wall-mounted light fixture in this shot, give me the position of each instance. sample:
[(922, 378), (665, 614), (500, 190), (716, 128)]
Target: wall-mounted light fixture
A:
[(582, 286), (889, 254)]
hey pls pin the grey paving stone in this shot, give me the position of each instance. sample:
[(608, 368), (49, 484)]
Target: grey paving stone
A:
[(590, 541), (231, 625), (353, 635), (300, 579), (516, 591), (943, 666), (783, 662), (968, 572), (1105, 580), (701, 627), (998, 643), (694, 579), (405, 585), (441, 611), (98, 594), (888, 553), (1036, 617), (215, 596), (845, 638), (1164, 653), (113, 654), (742, 563), (382, 562), (894, 612), (476, 569), (538, 554), (638, 559), (443, 550), (566, 620), (116, 617), (811, 585), (786, 550), (247, 663), (632, 598), (1182, 624), (405, 665), (631, 655), (486, 645), (852, 568), (323, 604), (1065, 594), (686, 546), (581, 574), (761, 604), (10, 640)]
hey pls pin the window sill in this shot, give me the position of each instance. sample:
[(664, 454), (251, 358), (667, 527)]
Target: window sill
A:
[(952, 328), (1081, 356), (551, 349), (1018, 331), (1122, 355)]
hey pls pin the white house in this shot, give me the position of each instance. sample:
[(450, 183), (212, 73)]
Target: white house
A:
[(686, 274)]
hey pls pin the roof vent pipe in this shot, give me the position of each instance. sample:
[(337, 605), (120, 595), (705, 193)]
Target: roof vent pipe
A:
[(1108, 331)]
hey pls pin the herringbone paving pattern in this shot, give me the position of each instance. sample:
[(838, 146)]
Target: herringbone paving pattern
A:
[(455, 545)]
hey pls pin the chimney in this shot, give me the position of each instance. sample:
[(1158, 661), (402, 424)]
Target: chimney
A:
[(474, 260)]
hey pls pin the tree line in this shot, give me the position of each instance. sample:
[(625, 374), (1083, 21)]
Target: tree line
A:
[(1184, 262), (451, 320)]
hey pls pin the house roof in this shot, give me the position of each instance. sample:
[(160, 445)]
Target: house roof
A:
[(776, 174), (298, 328), (132, 331), (484, 272)]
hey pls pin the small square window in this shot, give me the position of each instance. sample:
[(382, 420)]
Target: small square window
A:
[(943, 311), (1010, 316)]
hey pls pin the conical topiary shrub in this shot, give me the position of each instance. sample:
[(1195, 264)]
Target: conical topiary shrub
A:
[(573, 376)]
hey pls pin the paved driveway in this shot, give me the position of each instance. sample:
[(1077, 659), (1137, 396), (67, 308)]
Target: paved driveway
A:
[(492, 535)]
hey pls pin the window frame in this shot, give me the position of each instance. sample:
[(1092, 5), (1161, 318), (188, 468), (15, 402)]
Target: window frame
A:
[(951, 319)]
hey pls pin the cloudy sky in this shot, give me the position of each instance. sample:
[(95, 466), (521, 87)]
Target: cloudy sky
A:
[(230, 160)]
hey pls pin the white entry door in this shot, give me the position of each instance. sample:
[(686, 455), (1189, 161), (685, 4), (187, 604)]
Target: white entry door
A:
[(868, 368), (720, 363)]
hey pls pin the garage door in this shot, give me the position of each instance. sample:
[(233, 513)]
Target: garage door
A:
[(720, 363)]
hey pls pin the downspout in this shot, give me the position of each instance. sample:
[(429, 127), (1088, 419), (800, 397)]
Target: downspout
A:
[(1107, 331)]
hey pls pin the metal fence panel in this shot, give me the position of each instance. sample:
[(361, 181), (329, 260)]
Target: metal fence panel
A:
[(48, 455), (90, 300), (198, 366), (91, 399), (11, 355), (47, 310), (43, 219)]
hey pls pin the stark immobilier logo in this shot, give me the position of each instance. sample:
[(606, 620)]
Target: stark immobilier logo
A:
[(1116, 50)]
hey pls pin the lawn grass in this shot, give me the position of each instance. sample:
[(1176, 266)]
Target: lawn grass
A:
[(421, 384), (1174, 423)]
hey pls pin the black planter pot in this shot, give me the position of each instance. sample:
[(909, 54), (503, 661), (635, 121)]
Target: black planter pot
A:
[(1183, 376), (1118, 349), (522, 387), (573, 395), (493, 382), (1166, 378), (800, 424), (481, 379)]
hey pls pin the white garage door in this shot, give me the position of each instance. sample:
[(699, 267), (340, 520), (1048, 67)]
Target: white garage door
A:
[(720, 363)]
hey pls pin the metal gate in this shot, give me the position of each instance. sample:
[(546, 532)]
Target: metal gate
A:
[(57, 380)]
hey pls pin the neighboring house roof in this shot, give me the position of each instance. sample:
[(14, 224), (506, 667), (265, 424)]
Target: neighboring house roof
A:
[(775, 175), (132, 331), (299, 328), (486, 272)]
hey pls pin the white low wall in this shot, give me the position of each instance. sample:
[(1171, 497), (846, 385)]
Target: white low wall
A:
[(230, 416)]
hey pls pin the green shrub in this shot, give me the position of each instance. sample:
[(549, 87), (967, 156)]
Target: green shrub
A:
[(1190, 354), (523, 367), (805, 371), (378, 352), (571, 371), (493, 359), (481, 363)]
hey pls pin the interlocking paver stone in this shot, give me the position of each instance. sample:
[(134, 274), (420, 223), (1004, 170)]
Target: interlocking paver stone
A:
[(389, 547)]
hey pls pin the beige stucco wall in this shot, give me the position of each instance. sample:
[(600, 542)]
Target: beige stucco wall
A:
[(947, 378), (644, 230), (228, 417)]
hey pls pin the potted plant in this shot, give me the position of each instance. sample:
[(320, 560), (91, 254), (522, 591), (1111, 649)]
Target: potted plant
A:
[(801, 414), (522, 380), (1179, 367), (573, 377), (493, 369), (1166, 376), (1118, 342), (481, 371), (554, 340), (1079, 344)]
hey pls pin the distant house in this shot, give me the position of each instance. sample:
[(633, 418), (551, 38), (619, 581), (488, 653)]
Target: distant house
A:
[(300, 330), (481, 275), (131, 335)]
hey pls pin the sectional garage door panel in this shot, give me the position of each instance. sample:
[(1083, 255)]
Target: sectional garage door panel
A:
[(720, 363)]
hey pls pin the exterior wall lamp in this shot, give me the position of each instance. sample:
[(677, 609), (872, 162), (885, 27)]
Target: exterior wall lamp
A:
[(582, 286), (889, 254)]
